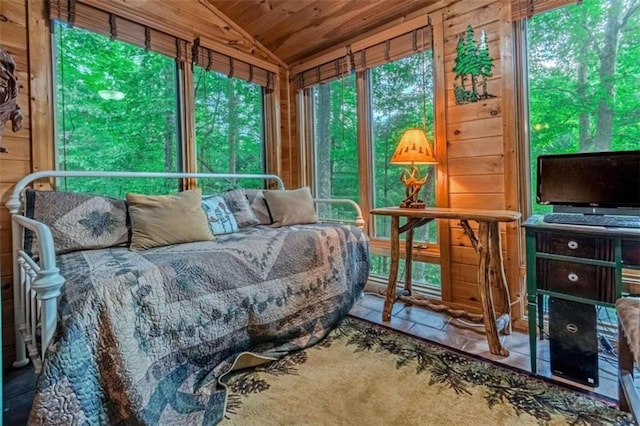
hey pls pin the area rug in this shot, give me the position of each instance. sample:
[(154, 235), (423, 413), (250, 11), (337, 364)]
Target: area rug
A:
[(365, 374)]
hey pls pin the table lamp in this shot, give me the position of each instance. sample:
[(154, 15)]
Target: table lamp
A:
[(413, 149)]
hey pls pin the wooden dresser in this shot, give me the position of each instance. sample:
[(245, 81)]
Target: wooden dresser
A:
[(579, 263)]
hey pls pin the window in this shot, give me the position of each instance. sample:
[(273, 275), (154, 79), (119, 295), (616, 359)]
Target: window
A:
[(402, 91), (583, 88), (336, 148), (229, 127), (583, 80), (116, 109), (354, 121), (402, 98)]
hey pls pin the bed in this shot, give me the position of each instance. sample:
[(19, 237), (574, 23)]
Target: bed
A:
[(124, 336)]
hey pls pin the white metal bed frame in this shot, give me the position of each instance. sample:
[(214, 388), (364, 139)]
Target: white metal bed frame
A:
[(37, 282)]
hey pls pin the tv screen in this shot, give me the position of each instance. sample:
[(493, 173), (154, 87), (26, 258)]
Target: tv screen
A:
[(596, 179)]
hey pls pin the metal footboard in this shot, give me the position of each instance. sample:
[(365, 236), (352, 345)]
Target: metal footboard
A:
[(36, 286)]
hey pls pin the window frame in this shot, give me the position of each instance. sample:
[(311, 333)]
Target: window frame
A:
[(47, 157), (378, 246)]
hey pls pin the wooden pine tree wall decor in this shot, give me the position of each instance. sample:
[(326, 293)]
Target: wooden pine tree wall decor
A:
[(9, 109), (472, 63)]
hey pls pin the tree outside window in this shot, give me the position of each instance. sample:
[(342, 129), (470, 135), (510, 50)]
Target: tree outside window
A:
[(116, 110), (229, 128), (584, 76)]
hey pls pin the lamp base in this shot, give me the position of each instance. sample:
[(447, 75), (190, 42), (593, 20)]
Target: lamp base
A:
[(410, 204)]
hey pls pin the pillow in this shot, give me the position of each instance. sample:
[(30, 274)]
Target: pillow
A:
[(259, 205), (221, 220), (291, 207), (161, 220), (77, 221), (237, 202)]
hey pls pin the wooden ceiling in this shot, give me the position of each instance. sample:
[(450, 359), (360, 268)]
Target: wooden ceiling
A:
[(297, 29)]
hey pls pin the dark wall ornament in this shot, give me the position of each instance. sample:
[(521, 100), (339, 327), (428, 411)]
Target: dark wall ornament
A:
[(472, 66), (9, 87)]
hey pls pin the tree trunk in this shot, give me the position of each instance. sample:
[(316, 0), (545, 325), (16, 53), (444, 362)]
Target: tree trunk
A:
[(606, 73), (323, 146), (585, 141), (170, 132), (232, 119)]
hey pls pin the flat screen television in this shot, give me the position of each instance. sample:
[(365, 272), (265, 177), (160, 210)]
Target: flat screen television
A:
[(590, 183)]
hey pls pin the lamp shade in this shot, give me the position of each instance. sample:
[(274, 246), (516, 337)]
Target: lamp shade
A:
[(414, 148)]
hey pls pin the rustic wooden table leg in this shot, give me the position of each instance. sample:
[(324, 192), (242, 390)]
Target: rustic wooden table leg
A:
[(498, 276), (487, 235), (408, 255), (393, 272)]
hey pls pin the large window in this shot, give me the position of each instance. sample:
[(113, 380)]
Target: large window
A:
[(584, 73), (116, 109), (402, 98), (354, 121), (229, 127), (583, 79)]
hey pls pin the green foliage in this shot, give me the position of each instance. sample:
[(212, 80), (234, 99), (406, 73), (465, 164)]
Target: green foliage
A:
[(136, 133), (229, 130), (401, 92), (583, 80), (140, 131)]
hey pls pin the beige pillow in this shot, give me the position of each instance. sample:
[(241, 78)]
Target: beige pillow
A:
[(291, 207), (161, 220)]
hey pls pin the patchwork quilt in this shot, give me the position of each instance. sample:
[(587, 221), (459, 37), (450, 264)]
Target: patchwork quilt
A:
[(143, 336)]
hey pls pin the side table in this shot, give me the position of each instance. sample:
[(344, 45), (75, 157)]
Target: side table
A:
[(490, 264)]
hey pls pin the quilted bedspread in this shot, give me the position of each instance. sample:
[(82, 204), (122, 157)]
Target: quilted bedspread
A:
[(143, 336)]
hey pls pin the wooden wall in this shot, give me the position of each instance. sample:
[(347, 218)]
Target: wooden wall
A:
[(17, 162), (480, 144)]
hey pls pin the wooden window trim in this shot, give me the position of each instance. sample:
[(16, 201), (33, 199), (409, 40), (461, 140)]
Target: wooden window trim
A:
[(390, 49), (212, 60), (77, 13), (524, 9)]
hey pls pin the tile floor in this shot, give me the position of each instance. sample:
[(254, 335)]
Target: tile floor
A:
[(19, 384)]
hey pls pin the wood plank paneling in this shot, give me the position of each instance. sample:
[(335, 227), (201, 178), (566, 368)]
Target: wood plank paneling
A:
[(476, 142), (13, 12), (470, 12), (5, 224), (12, 171), (477, 184), (18, 147), (482, 147), (488, 165), (482, 110), (492, 34), (294, 30), (477, 201), (474, 129)]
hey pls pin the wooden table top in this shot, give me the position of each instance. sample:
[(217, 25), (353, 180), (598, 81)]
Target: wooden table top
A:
[(450, 213)]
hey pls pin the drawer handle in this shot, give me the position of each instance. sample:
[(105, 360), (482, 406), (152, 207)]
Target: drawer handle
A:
[(573, 245), (573, 277)]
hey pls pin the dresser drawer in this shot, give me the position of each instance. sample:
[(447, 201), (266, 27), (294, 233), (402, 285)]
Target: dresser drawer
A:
[(575, 245), (631, 252), (577, 279)]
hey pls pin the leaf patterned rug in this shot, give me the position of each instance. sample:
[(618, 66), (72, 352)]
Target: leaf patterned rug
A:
[(365, 374)]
